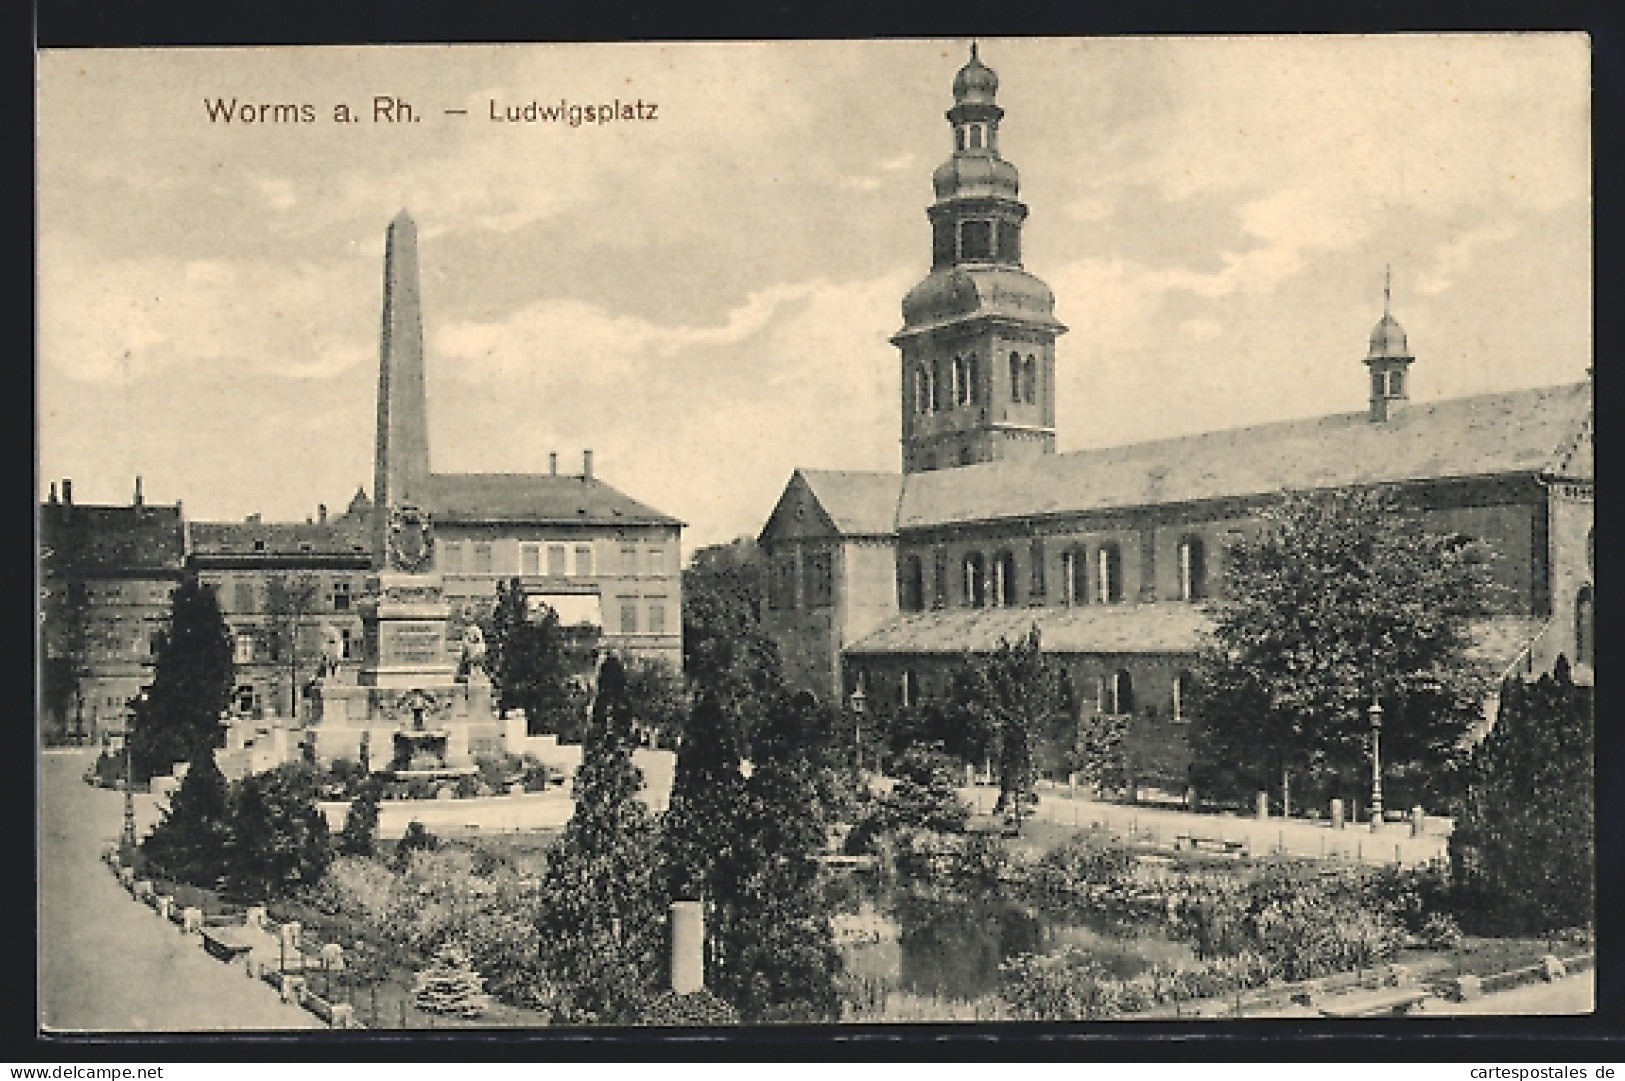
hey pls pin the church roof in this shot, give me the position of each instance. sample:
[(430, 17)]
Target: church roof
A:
[(858, 503), (1170, 627), (1523, 431), (1090, 628), (534, 497)]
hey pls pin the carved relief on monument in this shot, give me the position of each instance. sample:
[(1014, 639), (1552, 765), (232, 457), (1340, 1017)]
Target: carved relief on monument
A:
[(411, 539)]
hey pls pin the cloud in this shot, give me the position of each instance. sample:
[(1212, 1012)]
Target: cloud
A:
[(1456, 255), (118, 320)]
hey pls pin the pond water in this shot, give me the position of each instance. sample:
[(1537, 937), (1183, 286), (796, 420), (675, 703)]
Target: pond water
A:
[(951, 947)]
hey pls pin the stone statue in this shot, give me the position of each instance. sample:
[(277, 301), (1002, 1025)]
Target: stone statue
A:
[(473, 657), (332, 650)]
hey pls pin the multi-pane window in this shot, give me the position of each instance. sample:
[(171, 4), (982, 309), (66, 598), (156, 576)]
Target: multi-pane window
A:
[(1075, 575), (657, 618), (451, 557), (482, 559), (657, 562), (1003, 594), (1109, 574), (244, 652), (530, 559), (341, 596), (557, 558), (629, 559), (975, 580), (629, 617), (584, 561), (818, 569), (347, 637), (1192, 569), (781, 582)]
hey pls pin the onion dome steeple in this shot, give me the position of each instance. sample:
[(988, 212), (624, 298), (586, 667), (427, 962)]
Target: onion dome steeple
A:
[(1388, 358), (978, 332)]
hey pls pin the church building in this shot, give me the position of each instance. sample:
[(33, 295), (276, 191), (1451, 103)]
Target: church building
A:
[(879, 582)]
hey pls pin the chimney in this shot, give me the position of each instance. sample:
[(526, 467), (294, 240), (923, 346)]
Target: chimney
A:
[(53, 493), (687, 947), (138, 501), (553, 463), (321, 513), (586, 465), (67, 491)]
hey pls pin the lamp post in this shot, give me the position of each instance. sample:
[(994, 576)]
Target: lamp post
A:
[(858, 701), (1374, 711), (129, 781)]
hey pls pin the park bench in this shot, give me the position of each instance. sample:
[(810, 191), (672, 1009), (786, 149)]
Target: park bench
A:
[(225, 943), (1389, 1000)]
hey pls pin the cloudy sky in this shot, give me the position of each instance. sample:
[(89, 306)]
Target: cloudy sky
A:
[(705, 298)]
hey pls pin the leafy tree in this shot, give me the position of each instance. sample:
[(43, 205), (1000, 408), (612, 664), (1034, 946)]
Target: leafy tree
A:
[(599, 914), (725, 649), (360, 834), (775, 953), (179, 716), (290, 605), (1343, 597), (1016, 697), (533, 665), (699, 826), (924, 797), (659, 699), (192, 840), (1523, 851), (279, 837)]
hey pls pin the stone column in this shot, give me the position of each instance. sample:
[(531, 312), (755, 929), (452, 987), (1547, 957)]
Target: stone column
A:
[(1337, 814), (1263, 805), (687, 947)]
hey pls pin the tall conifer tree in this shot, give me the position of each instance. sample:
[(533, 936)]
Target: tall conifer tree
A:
[(192, 680)]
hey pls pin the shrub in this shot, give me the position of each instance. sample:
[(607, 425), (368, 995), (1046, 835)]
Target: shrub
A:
[(416, 838), (359, 836), (698, 1008)]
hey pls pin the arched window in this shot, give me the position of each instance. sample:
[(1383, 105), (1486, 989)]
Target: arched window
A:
[(942, 385), (973, 379), (1122, 688), (1004, 580), (1075, 576), (975, 580), (1109, 574), (1184, 682), (912, 585), (1015, 377), (1585, 643), (922, 389), (1192, 569), (961, 384), (1029, 378)]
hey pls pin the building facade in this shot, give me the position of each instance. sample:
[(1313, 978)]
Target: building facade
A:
[(881, 581), (107, 576)]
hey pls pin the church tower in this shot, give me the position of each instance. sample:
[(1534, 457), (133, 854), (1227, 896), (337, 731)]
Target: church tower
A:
[(978, 337), (401, 462), (1389, 359)]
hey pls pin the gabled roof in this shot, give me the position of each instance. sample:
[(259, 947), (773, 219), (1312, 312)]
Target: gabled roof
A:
[(77, 538), (860, 504), (344, 537), (1524, 431), (534, 497), (847, 504), (1169, 627)]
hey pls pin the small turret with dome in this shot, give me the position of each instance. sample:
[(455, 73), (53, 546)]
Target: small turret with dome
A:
[(978, 333), (1389, 358)]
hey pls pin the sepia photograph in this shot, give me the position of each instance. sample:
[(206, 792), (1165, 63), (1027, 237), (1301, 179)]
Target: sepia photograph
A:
[(850, 533)]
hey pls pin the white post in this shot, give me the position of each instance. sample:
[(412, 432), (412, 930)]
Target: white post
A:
[(687, 947)]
